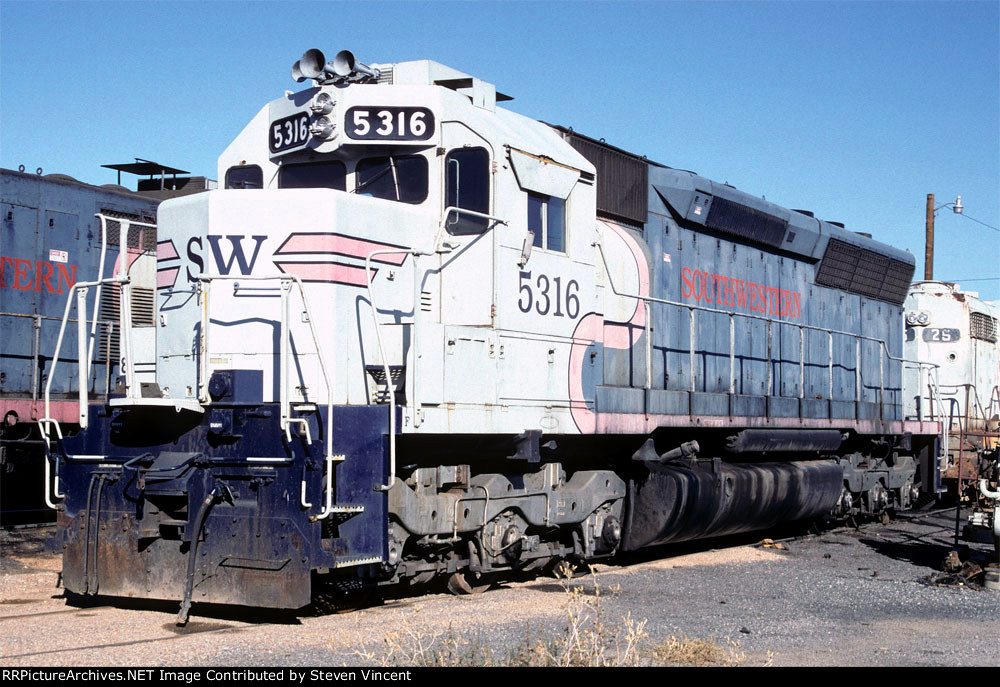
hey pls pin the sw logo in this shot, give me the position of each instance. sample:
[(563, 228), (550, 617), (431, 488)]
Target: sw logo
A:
[(224, 265)]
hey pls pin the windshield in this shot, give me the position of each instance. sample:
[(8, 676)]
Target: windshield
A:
[(402, 178)]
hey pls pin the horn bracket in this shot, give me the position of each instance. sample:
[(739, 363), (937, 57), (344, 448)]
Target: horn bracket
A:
[(344, 68)]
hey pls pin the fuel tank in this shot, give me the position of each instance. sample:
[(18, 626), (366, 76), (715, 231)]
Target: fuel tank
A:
[(691, 499)]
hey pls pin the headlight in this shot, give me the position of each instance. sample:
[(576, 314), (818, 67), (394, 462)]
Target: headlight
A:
[(322, 128), (917, 318), (323, 104)]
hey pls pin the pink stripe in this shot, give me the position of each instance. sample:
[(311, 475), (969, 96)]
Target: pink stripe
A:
[(622, 336), (638, 318), (326, 272), (133, 255), (616, 335), (637, 423), (165, 278), (587, 331), (341, 245), (28, 411), (166, 251)]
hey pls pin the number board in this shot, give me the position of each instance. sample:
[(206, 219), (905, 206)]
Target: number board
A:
[(943, 335), (289, 132), (389, 123)]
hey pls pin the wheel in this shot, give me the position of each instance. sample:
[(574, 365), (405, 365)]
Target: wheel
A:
[(463, 582)]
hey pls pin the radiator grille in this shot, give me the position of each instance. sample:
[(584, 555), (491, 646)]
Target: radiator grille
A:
[(622, 181), (982, 326), (746, 222), (864, 272)]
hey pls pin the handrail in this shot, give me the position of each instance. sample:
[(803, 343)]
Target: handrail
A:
[(748, 315), (884, 349), (125, 299), (51, 317), (286, 420), (378, 326), (80, 289), (884, 352), (285, 401), (977, 404), (86, 351), (85, 344), (36, 343), (390, 390)]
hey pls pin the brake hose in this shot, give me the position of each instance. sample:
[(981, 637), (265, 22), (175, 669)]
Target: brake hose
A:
[(213, 498)]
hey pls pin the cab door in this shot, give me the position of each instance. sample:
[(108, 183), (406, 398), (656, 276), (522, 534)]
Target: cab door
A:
[(467, 270)]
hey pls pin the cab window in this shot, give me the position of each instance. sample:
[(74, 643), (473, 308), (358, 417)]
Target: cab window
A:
[(546, 220), (402, 178), (467, 186), (327, 174), (246, 176)]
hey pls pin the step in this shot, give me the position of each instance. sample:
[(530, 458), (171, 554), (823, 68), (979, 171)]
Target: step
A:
[(348, 509), (349, 561)]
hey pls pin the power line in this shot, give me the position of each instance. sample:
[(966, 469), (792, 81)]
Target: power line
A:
[(980, 279), (989, 226)]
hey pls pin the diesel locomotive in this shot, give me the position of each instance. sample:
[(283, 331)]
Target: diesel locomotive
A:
[(957, 331), (51, 237), (420, 335), (56, 230)]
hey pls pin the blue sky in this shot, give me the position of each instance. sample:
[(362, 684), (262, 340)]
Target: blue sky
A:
[(855, 110)]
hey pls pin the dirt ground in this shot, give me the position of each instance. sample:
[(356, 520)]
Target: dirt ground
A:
[(843, 597)]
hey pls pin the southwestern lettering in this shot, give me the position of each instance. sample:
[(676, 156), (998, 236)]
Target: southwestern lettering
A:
[(736, 293), (32, 275)]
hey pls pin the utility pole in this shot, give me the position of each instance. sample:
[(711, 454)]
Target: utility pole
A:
[(929, 240)]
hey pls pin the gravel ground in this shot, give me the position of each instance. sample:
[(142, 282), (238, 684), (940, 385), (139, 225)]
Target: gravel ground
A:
[(844, 597)]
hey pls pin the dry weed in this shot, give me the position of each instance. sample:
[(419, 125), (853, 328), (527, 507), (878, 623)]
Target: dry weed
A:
[(587, 638), (680, 649)]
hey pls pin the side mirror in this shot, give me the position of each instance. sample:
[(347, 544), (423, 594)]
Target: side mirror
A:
[(529, 242)]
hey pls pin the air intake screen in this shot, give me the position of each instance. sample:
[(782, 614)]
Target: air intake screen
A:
[(138, 237), (622, 181), (982, 326), (865, 272), (746, 222), (109, 337), (143, 307)]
